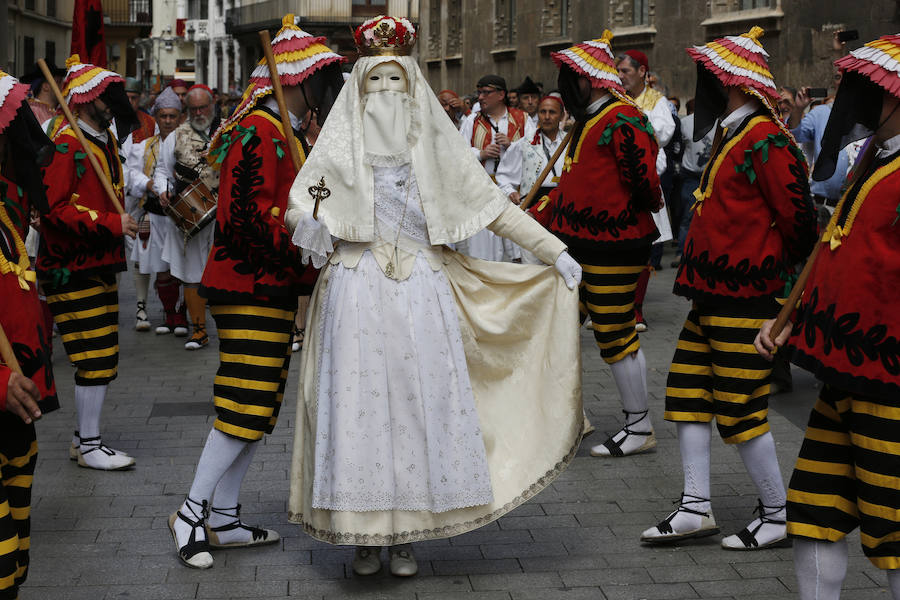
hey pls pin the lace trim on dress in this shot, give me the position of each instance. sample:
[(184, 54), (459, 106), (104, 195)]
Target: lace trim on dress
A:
[(431, 502), (404, 537)]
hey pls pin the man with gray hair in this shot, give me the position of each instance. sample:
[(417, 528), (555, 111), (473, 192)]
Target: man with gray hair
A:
[(181, 163)]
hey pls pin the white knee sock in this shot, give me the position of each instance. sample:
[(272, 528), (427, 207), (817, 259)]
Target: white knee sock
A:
[(820, 568), (229, 487), (141, 285), (89, 404), (694, 441), (893, 577), (761, 462), (225, 499), (219, 453), (630, 375)]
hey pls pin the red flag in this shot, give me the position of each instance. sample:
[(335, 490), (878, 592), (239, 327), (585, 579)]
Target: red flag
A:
[(88, 40)]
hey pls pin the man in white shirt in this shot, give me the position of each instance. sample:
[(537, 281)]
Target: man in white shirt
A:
[(525, 158)]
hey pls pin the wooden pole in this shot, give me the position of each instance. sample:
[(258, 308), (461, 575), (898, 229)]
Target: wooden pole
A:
[(784, 315), (279, 98), (73, 123), (7, 354), (529, 199)]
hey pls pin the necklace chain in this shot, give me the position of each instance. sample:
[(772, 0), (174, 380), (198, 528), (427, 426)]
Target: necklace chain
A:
[(390, 269)]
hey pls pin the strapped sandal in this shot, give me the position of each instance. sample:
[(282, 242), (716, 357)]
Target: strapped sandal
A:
[(198, 339), (746, 539), (614, 448), (258, 536), (664, 533), (94, 454), (195, 553), (297, 339), (142, 321)]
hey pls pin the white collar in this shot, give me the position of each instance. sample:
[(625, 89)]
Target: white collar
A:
[(99, 135), (596, 104), (552, 142), (889, 146), (737, 116), (272, 105)]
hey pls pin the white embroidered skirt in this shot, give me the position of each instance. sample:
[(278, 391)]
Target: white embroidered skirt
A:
[(187, 261), (397, 427), (149, 258)]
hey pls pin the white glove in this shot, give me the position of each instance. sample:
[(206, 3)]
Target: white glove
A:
[(570, 270), (314, 240)]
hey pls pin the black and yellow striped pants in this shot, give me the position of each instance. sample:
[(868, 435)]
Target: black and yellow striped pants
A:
[(848, 475), (86, 312), (606, 294), (18, 457), (717, 373), (254, 356)]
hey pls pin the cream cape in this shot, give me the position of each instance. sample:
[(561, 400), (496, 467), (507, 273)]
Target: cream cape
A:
[(458, 197), (520, 333)]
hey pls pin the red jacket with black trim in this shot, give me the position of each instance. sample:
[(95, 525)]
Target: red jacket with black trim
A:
[(847, 328), (753, 219), (609, 183), (21, 315), (82, 233), (252, 255)]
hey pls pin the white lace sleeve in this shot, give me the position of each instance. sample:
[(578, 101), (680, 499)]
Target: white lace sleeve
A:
[(314, 240)]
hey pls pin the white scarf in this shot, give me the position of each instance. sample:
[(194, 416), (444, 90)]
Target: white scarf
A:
[(458, 197)]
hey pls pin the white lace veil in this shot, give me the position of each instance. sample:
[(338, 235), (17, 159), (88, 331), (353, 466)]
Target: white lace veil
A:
[(458, 197)]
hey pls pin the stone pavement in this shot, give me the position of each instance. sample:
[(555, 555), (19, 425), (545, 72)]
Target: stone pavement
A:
[(104, 536)]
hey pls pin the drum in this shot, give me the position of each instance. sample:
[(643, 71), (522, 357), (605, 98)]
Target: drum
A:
[(193, 209)]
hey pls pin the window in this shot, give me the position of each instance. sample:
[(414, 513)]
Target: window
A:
[(369, 8), (29, 4), (50, 51), (504, 23), (749, 4), (51, 8), (28, 51), (641, 12)]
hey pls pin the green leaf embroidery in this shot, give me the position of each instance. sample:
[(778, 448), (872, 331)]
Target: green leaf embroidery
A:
[(279, 151), (641, 123), (63, 148), (79, 165), (762, 146), (248, 132), (897, 217), (59, 277)]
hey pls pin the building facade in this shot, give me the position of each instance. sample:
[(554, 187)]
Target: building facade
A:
[(35, 29), (461, 40), (166, 53), (333, 19)]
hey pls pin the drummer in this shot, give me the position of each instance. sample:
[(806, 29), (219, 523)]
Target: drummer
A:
[(181, 163)]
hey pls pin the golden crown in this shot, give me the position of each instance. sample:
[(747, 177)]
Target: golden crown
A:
[(385, 36)]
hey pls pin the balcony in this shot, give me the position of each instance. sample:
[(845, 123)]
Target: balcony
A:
[(128, 13)]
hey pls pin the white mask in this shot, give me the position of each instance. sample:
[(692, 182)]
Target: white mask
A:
[(386, 76)]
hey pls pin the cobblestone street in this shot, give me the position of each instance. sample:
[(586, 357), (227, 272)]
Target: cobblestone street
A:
[(103, 536)]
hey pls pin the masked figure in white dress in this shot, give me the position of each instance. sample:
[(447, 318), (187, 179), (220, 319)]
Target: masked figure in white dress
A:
[(437, 392)]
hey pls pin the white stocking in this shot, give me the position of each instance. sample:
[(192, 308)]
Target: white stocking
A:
[(630, 375), (141, 285), (225, 500), (761, 462), (821, 568), (89, 404), (694, 442), (219, 453)]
